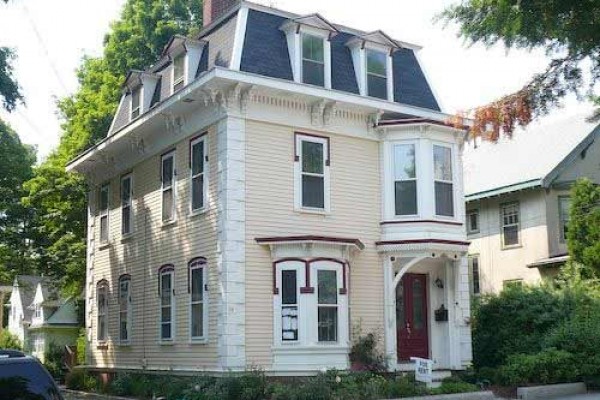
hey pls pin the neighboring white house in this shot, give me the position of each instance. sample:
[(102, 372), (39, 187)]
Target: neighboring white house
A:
[(265, 188), (38, 315), (517, 194)]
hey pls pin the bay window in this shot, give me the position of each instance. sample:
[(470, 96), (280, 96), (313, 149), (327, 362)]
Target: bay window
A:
[(327, 308), (313, 60), (443, 181), (168, 187), (167, 302), (198, 307), (102, 311), (126, 204), (198, 179), (124, 309), (405, 179), (104, 204), (289, 305), (178, 72), (312, 172), (377, 85)]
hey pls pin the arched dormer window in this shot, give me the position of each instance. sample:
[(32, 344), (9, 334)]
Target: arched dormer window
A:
[(197, 288), (102, 310), (166, 292), (125, 317)]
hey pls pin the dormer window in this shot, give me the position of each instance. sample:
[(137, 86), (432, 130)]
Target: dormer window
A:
[(135, 102), (178, 72), (377, 74), (313, 60)]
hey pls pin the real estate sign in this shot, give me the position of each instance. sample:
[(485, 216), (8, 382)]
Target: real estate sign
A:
[(423, 369)]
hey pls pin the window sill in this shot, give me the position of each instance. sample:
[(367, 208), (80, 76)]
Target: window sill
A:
[(197, 213), (314, 211), (168, 224), (124, 344), (127, 237), (166, 342), (512, 247), (102, 346), (199, 341), (103, 246)]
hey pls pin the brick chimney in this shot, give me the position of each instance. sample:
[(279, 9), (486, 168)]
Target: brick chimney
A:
[(213, 9)]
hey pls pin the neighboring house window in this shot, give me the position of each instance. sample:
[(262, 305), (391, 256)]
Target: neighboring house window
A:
[(473, 221), (14, 312), (377, 74), (38, 311), (512, 283), (125, 308), (327, 308), (289, 305), (313, 164), (405, 179), (564, 206), (444, 188), (474, 272), (135, 103), (198, 308), (126, 205), (199, 182), (178, 72), (167, 302), (510, 224), (168, 187), (102, 304), (104, 196), (313, 60)]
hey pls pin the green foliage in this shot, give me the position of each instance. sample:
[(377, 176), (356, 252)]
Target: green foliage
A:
[(79, 379), (583, 236), (10, 93), (454, 384), (8, 341), (545, 367), (366, 355), (53, 361), (135, 41), (81, 347)]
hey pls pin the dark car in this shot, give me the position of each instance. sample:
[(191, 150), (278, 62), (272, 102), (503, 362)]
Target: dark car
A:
[(24, 378)]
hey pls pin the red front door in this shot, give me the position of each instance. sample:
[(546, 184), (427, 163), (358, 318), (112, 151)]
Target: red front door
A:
[(412, 339)]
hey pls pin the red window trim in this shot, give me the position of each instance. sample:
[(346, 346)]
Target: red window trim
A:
[(307, 288)]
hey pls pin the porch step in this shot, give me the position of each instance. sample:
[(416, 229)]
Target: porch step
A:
[(438, 376)]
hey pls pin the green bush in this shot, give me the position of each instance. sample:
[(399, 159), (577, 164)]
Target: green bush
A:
[(9, 341), (53, 361), (546, 367), (405, 386), (366, 355), (454, 384), (81, 347), (79, 379)]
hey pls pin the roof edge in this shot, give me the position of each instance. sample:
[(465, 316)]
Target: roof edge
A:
[(514, 187)]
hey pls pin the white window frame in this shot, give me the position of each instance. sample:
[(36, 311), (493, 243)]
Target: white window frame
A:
[(392, 197), (298, 267), (388, 72), (104, 213), (183, 78), (339, 285), (298, 197), (139, 106), (470, 213), (563, 219), (503, 206), (127, 206), (102, 312), (204, 173), (171, 272), (38, 311), (126, 311), (452, 181), (474, 259), (195, 265), (325, 63), (172, 187)]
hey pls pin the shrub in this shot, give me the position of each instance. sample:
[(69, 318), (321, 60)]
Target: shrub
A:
[(545, 367), (405, 386), (454, 384), (53, 361), (8, 341), (365, 354), (81, 347), (79, 379)]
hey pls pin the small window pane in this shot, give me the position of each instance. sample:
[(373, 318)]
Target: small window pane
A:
[(197, 284), (406, 197), (198, 192), (167, 171), (312, 157), (327, 281), (312, 48), (442, 162), (167, 205), (377, 86), (104, 198), (165, 289), (198, 158), (404, 161), (313, 73), (197, 320), (135, 103), (165, 331), (313, 191), (166, 314), (376, 62), (511, 235), (178, 72), (123, 329), (327, 324), (288, 287), (564, 204), (125, 190), (126, 220), (475, 274), (473, 221), (289, 323), (444, 199), (418, 317)]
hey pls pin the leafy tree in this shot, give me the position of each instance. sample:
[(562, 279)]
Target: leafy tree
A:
[(583, 236), (16, 162), (10, 93), (135, 41), (568, 30)]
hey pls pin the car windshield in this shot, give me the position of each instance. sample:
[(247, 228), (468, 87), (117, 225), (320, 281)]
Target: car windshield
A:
[(26, 381)]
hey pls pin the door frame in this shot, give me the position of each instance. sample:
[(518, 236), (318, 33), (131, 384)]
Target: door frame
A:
[(426, 319)]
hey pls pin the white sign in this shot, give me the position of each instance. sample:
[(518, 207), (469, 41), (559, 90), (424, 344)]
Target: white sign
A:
[(423, 369)]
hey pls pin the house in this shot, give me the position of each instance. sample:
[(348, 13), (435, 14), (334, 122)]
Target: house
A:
[(268, 190), (39, 316), (517, 194)]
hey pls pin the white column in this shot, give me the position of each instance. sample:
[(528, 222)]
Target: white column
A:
[(89, 278), (389, 302), (231, 216), (451, 284), (464, 304)]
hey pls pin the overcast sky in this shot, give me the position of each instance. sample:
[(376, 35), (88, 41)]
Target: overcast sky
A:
[(51, 37)]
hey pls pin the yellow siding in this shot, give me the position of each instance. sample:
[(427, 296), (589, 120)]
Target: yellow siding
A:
[(355, 213), (151, 246)]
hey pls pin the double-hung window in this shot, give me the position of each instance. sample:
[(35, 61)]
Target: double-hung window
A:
[(104, 196), (405, 179), (509, 215), (167, 302), (313, 60), (377, 85), (124, 309), (135, 103), (327, 307), (444, 187), (102, 311), (474, 272), (168, 187), (564, 205), (289, 305), (126, 205), (178, 72), (198, 309), (198, 176), (472, 221), (38, 311), (313, 180)]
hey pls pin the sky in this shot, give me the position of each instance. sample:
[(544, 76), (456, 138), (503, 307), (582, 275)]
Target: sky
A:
[(51, 37)]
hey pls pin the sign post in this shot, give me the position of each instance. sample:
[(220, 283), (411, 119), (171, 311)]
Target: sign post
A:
[(423, 370)]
